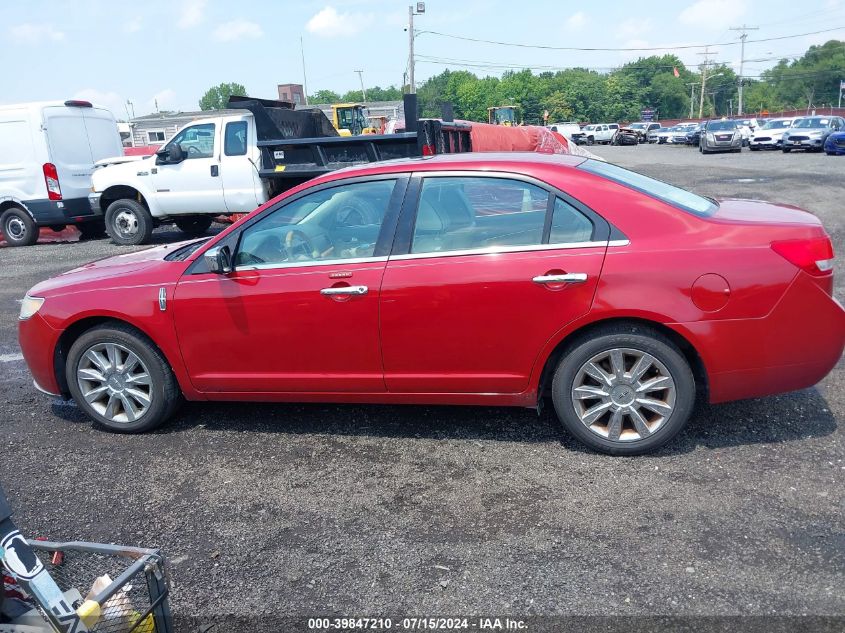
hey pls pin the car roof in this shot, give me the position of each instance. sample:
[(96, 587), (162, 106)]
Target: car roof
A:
[(470, 161)]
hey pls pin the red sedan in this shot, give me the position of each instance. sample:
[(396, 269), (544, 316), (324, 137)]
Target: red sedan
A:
[(458, 279)]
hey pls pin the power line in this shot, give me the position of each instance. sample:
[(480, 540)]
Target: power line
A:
[(633, 49), (742, 39)]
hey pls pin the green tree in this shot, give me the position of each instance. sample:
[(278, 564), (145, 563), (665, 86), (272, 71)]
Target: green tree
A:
[(324, 96), (217, 97), (668, 94), (558, 107)]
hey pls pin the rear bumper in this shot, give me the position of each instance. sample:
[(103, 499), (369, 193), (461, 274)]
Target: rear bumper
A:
[(38, 344), (793, 347), (67, 211)]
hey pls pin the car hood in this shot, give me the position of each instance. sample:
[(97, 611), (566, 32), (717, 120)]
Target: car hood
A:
[(121, 170), (143, 267), (805, 130)]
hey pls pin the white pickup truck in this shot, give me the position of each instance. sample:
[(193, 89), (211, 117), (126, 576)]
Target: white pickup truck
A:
[(599, 132), (232, 164)]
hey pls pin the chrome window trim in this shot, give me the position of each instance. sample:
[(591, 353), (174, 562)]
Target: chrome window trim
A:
[(310, 264), (495, 250)]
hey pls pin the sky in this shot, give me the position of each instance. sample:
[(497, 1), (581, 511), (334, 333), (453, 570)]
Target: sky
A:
[(169, 52)]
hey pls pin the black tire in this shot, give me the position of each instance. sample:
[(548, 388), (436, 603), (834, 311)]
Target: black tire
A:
[(829, 153), (786, 150), (165, 395), (752, 148), (18, 227), (128, 222), (193, 224), (637, 337), (92, 230), (738, 150), (590, 140)]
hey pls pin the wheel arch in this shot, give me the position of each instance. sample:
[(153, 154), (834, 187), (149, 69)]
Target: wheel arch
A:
[(82, 325), (14, 203), (691, 354), (121, 192)]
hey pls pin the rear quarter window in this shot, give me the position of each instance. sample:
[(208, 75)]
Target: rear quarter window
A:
[(663, 191)]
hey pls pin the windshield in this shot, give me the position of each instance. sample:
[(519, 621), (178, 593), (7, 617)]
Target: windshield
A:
[(677, 197), (812, 121), (776, 125), (715, 126), (637, 126)]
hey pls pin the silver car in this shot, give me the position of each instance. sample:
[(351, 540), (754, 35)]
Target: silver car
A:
[(810, 132), (720, 136)]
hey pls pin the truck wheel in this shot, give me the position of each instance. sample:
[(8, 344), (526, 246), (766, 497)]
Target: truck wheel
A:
[(92, 230), (590, 140), (193, 224), (128, 222), (18, 227)]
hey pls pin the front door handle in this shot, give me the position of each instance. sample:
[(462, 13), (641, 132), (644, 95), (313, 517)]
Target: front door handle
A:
[(215, 171), (345, 290), (567, 278)]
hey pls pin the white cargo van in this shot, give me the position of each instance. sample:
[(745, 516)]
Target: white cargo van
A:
[(47, 155)]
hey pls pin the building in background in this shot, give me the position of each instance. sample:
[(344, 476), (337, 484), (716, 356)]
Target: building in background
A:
[(293, 93)]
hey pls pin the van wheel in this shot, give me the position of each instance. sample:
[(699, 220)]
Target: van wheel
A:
[(92, 230), (193, 224), (18, 227), (128, 222), (624, 390)]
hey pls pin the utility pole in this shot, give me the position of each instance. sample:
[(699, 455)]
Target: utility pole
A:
[(412, 11), (691, 98), (361, 77), (742, 37), (706, 63), (304, 78)]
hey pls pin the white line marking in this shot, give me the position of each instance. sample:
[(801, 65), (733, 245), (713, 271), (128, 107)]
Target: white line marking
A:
[(10, 358)]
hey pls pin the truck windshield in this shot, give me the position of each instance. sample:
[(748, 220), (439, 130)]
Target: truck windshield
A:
[(677, 197)]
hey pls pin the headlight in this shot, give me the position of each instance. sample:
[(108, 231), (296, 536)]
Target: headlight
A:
[(29, 306), (710, 136)]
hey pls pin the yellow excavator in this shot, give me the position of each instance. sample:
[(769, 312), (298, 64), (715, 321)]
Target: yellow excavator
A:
[(351, 119), (504, 115)]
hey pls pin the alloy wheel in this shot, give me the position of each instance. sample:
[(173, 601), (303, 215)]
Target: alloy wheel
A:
[(623, 394), (115, 382)]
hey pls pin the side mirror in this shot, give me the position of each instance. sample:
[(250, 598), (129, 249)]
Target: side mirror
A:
[(170, 155), (219, 260)]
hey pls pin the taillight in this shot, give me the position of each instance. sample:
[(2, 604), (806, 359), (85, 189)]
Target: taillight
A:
[(51, 177), (814, 256), (428, 149)]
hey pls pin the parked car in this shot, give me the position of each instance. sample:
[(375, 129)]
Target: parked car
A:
[(658, 136), (810, 132), (47, 154), (625, 136), (599, 132), (746, 128), (694, 134), (720, 135), (834, 145), (643, 128), (497, 280), (769, 135)]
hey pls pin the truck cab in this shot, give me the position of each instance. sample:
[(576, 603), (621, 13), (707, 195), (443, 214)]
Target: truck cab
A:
[(208, 168)]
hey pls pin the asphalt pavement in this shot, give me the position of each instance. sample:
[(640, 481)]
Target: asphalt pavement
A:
[(271, 510)]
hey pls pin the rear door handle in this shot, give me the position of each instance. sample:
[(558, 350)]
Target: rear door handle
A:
[(345, 290), (568, 278)]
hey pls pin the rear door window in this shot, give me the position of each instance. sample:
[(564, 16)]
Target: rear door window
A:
[(458, 213)]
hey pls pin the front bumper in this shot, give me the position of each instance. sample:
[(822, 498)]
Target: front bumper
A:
[(793, 347), (38, 343), (94, 202), (835, 147), (767, 142), (803, 143)]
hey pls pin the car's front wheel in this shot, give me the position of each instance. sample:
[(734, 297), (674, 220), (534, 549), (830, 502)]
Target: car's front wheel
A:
[(624, 390), (121, 380)]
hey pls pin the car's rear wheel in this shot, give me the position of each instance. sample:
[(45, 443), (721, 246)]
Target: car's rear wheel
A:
[(624, 390), (128, 222), (193, 224), (786, 150), (18, 227), (121, 380)]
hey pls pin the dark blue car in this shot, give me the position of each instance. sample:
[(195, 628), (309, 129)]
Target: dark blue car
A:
[(834, 145)]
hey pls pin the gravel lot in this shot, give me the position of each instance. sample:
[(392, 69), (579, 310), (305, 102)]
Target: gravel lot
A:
[(377, 510)]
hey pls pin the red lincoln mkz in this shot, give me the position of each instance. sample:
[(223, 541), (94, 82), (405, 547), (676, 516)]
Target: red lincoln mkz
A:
[(477, 279)]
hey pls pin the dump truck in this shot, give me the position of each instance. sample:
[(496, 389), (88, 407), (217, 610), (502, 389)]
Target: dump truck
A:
[(233, 163)]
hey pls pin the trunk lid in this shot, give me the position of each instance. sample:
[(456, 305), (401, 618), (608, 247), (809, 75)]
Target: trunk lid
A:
[(758, 212)]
